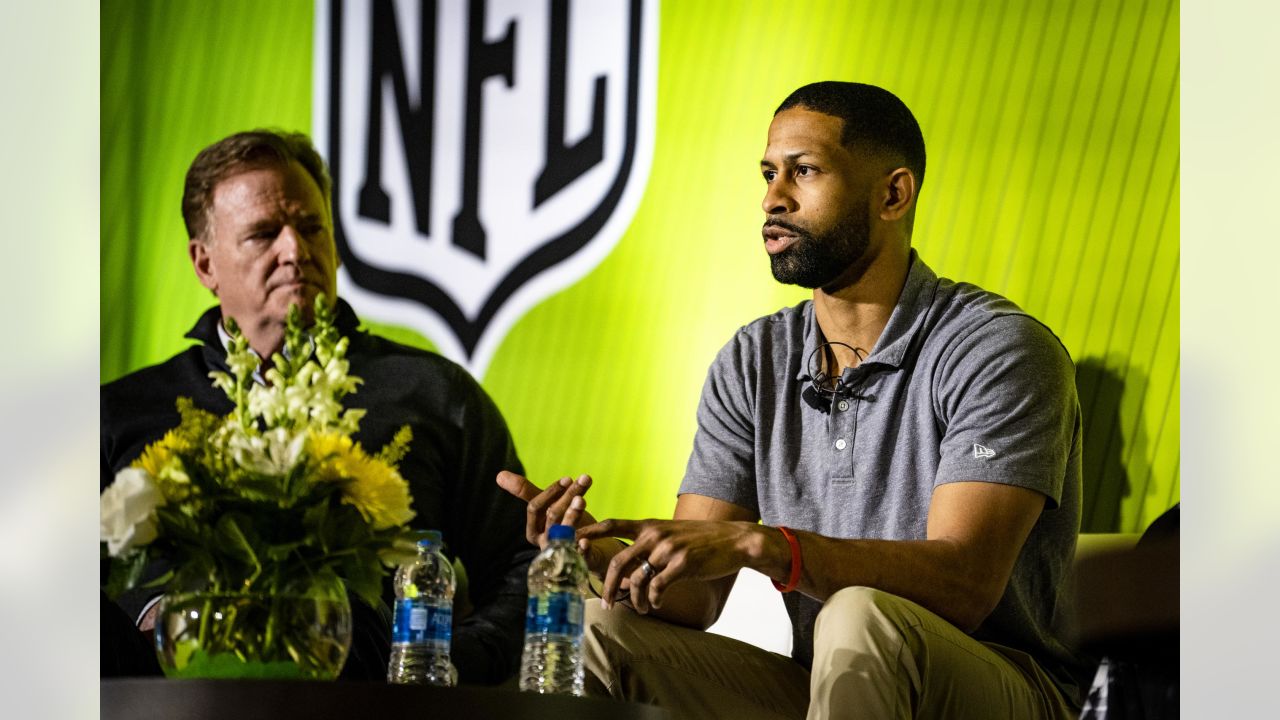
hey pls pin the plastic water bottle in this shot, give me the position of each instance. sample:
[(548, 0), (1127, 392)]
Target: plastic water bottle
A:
[(423, 625), (552, 661)]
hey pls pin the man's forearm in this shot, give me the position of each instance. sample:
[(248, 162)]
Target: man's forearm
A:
[(974, 535), (940, 575), (935, 573)]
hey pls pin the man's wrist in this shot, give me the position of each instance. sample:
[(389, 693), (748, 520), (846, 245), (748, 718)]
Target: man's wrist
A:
[(768, 551)]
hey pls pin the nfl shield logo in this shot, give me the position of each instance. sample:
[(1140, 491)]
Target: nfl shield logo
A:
[(485, 153)]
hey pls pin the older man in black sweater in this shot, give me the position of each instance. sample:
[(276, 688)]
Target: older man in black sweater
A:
[(257, 211)]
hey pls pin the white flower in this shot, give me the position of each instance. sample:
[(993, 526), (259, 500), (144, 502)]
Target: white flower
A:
[(128, 506), (243, 361), (275, 452)]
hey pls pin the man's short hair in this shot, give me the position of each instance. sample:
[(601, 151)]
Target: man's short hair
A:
[(872, 116), (237, 153)]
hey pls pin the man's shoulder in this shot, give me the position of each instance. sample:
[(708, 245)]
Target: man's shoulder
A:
[(966, 302), (765, 348), (381, 361), (138, 408), (967, 315), (780, 329), (148, 396), (188, 370), (183, 369), (378, 348)]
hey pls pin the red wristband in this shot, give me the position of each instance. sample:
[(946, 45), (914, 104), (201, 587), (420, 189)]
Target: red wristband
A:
[(797, 564)]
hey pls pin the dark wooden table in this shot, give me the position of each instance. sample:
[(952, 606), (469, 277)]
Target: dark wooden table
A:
[(161, 699)]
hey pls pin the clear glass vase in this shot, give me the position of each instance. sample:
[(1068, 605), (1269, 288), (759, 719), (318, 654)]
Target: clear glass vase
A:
[(304, 636)]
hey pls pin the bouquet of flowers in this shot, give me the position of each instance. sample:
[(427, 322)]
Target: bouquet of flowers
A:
[(272, 498)]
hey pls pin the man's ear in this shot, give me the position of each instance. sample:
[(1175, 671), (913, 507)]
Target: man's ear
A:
[(899, 195), (198, 250)]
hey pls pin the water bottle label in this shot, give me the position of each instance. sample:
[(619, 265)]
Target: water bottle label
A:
[(557, 613), (419, 622)]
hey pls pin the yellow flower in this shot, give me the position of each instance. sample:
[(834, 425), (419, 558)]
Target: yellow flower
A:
[(372, 486), (157, 454), (162, 461), (333, 452), (379, 493)]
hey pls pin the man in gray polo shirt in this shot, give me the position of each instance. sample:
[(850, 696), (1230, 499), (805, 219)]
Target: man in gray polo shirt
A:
[(910, 444)]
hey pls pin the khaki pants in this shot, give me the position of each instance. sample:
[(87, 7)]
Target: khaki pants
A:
[(876, 655)]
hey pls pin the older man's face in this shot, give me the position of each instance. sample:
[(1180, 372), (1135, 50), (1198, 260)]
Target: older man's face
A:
[(270, 244)]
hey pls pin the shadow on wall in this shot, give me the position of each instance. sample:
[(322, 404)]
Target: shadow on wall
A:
[(1113, 469)]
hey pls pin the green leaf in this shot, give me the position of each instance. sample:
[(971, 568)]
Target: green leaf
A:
[(235, 542), (159, 580), (316, 515), (279, 552), (195, 572), (124, 572), (363, 575), (200, 664), (178, 527)]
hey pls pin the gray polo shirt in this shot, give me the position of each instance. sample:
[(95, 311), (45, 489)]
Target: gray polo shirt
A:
[(962, 385)]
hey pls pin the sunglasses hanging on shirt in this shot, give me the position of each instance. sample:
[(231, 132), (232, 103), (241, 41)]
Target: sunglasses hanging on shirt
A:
[(824, 390)]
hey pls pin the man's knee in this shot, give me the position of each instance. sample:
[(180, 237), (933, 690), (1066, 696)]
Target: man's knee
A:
[(597, 616), (640, 658), (861, 602), (616, 625), (864, 642), (863, 617), (609, 640)]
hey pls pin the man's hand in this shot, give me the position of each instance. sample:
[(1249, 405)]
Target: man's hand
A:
[(675, 550), (562, 503)]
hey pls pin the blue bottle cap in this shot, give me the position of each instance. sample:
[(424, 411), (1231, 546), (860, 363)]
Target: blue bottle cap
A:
[(433, 538), (560, 532)]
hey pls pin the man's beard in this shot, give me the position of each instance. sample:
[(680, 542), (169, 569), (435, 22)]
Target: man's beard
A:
[(823, 260)]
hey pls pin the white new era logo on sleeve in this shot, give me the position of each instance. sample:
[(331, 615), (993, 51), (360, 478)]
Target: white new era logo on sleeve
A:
[(982, 452)]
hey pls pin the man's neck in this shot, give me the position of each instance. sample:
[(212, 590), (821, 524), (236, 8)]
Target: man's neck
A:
[(263, 341), (857, 314)]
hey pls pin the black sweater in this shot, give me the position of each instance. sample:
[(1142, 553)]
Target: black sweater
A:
[(460, 443)]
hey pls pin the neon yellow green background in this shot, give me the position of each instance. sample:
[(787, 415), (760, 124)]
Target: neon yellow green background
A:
[(1053, 178)]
